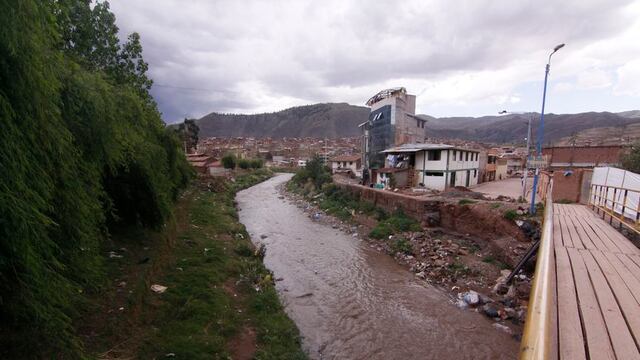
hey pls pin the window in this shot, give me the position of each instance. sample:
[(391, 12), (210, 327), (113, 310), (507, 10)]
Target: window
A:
[(433, 173), (350, 163), (433, 155), (466, 156), (475, 173), (476, 156), (455, 153)]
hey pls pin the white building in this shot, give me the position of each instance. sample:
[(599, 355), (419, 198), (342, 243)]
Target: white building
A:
[(347, 163), (302, 163), (434, 166)]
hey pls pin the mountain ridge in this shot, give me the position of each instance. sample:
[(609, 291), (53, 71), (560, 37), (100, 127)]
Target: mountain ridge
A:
[(334, 120)]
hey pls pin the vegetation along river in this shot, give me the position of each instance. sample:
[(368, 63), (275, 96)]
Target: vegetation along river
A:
[(352, 302)]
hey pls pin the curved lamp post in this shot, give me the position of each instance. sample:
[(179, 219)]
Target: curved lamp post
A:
[(541, 130)]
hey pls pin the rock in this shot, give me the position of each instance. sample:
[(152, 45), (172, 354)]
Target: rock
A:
[(461, 304), (471, 297), (263, 236), (523, 289), (158, 289), (421, 275), (510, 313), (503, 328), (490, 311), (463, 252), (439, 262)]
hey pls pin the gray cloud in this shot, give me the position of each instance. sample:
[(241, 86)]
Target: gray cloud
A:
[(255, 56)]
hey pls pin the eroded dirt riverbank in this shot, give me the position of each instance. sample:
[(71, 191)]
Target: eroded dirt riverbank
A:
[(351, 302)]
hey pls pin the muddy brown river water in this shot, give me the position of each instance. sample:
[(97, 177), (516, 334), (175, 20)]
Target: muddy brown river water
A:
[(352, 302)]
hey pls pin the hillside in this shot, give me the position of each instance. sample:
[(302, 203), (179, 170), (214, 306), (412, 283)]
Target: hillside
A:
[(318, 120), (340, 119)]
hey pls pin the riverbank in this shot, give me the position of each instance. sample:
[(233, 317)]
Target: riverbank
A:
[(469, 269), (197, 289), (352, 301)]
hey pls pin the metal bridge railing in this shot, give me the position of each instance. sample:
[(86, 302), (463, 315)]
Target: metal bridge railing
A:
[(539, 340)]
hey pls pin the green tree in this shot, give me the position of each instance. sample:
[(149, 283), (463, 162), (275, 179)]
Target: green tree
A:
[(189, 131), (81, 152), (631, 159), (229, 161)]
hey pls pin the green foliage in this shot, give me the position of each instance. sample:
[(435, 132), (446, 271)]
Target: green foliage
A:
[(496, 205), (631, 160), (510, 215), (189, 131), (402, 245), (398, 222), (315, 171), (82, 149), (466, 202), (229, 161), (244, 164), (256, 163)]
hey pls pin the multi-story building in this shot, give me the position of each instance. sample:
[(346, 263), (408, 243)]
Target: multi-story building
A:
[(433, 166), (392, 122)]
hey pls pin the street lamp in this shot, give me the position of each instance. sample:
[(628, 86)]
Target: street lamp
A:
[(532, 208)]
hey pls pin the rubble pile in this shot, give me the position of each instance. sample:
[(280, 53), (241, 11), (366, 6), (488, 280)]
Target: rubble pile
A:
[(471, 275)]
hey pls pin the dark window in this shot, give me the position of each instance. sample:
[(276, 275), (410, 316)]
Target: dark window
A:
[(455, 153), (434, 173), (433, 155), (474, 173), (466, 156)]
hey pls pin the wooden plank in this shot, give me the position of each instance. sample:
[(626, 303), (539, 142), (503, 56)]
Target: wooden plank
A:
[(635, 258), (632, 266), (602, 229), (557, 232), (598, 342), (595, 238), (570, 338), (632, 282), (566, 236), (571, 228), (582, 234), (613, 234), (572, 209), (623, 343), (623, 295), (560, 208)]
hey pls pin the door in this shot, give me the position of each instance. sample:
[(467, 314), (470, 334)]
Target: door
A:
[(452, 180), (466, 182)]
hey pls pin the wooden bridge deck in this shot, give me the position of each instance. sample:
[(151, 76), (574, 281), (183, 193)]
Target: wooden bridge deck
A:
[(597, 285)]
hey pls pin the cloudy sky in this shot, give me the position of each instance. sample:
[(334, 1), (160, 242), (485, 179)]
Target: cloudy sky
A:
[(460, 57)]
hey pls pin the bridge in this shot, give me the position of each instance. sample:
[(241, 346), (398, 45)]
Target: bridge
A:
[(585, 298)]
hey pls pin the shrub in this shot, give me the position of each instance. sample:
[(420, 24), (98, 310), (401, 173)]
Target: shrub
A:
[(229, 161), (510, 215), (256, 163), (402, 246), (314, 171), (244, 164)]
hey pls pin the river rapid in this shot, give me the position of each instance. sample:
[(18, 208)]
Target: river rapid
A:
[(352, 302)]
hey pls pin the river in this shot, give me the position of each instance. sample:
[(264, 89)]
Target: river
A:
[(352, 302)]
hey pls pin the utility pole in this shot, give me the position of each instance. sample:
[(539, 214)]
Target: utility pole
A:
[(526, 165), (532, 208)]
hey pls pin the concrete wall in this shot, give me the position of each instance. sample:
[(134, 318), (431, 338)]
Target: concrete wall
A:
[(572, 185), (587, 156), (448, 164)]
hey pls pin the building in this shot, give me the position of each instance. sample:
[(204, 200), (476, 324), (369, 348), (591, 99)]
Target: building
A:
[(392, 122), (562, 157), (515, 163), (501, 169), (302, 163), (432, 166), (347, 164), (490, 167), (201, 162)]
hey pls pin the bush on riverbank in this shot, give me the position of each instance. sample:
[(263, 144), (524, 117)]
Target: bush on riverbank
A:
[(396, 223), (218, 289)]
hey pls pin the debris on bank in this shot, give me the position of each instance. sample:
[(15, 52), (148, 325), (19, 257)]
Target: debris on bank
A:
[(463, 265)]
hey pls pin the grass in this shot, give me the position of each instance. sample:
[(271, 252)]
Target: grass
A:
[(217, 287), (510, 215), (397, 222), (496, 205), (492, 260), (466, 202), (402, 246)]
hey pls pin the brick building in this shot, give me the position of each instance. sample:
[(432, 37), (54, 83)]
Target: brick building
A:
[(562, 157)]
